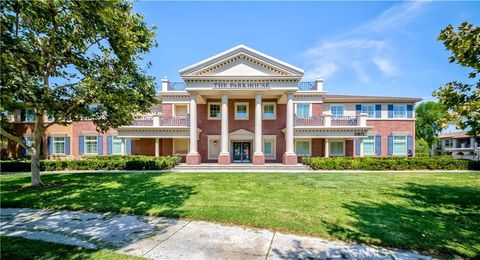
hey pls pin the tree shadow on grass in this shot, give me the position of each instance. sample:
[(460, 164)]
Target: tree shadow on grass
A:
[(436, 219)]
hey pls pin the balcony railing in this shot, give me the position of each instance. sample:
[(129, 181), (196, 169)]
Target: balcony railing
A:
[(174, 120), (144, 121), (176, 86), (307, 86), (344, 121), (328, 121), (309, 121)]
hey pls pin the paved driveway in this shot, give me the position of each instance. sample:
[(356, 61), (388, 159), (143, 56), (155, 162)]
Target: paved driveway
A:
[(163, 238)]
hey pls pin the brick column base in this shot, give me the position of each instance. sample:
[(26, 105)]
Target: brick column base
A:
[(290, 159), (224, 159), (259, 159), (193, 159)]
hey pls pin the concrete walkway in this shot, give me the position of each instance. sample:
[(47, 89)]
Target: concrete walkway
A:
[(163, 238)]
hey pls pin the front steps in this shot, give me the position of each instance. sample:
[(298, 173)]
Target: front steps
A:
[(241, 167)]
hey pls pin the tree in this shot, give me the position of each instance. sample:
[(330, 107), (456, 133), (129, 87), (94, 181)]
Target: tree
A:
[(462, 100), (422, 148), (429, 120), (60, 56)]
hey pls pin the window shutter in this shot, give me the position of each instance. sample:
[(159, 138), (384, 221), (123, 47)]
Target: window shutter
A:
[(390, 111), (67, 145), (409, 144), (357, 146), (100, 144), (109, 144), (50, 145), (358, 108), (390, 145), (409, 111), (378, 145), (378, 111), (81, 142), (22, 115), (128, 144)]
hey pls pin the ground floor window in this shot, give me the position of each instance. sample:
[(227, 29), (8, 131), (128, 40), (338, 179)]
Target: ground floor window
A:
[(91, 144), (369, 145), (116, 145), (269, 148), (302, 148), (399, 145), (337, 148), (29, 142), (59, 145), (180, 146)]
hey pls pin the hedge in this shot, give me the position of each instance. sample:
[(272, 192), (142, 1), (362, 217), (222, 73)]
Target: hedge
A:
[(114, 162), (390, 163)]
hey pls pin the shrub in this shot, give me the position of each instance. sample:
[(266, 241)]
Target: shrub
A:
[(114, 162), (390, 163)]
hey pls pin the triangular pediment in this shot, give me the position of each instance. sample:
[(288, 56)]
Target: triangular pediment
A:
[(241, 61), (242, 132)]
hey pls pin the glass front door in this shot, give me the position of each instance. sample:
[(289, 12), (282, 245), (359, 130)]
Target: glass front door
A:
[(241, 151)]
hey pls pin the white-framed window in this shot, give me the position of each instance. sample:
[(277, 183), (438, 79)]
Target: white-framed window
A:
[(180, 146), (399, 111), (337, 148), (180, 109), (28, 115), (269, 110), (337, 110), (50, 118), (241, 110), (448, 142), (399, 145), (369, 110), (303, 147), (214, 111), (58, 145), (91, 144), (369, 145), (116, 145), (303, 110), (269, 148), (29, 142)]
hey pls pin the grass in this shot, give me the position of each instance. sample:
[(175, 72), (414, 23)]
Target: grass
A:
[(21, 248), (436, 213)]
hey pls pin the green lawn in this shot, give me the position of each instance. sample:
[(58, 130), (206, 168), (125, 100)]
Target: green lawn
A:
[(21, 248), (437, 213)]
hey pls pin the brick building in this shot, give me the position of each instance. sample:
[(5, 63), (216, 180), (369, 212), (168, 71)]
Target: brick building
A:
[(244, 106)]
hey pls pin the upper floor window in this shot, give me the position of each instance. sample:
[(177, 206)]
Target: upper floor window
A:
[(214, 111), (59, 145), (269, 110), (399, 111), (303, 110), (27, 115), (369, 110), (337, 110), (91, 144), (241, 111), (448, 142)]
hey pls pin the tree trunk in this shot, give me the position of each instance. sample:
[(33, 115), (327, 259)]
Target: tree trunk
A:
[(38, 133)]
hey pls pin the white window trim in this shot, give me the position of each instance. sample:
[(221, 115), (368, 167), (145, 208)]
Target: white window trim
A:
[(272, 138), (330, 148), (174, 111), (398, 105), (406, 146), (248, 110), (113, 143), (309, 146), (337, 105), (374, 146), (85, 145), (309, 108), (212, 138), (175, 151), (274, 110), (208, 110), (369, 105), (64, 144)]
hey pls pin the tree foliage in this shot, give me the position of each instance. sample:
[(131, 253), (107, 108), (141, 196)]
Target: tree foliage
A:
[(422, 148), (430, 120), (462, 99), (60, 56)]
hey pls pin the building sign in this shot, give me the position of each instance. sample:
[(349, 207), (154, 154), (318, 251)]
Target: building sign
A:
[(241, 85)]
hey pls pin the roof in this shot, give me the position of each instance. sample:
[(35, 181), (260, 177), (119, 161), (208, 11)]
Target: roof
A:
[(358, 98), (459, 134)]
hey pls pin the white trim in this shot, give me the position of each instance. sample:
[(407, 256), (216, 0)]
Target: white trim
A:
[(340, 105), (374, 111), (64, 144), (309, 108), (274, 110), (272, 138), (330, 148), (173, 146), (393, 145), (85, 144), (374, 145), (398, 105), (208, 110), (235, 111), (309, 146), (113, 142)]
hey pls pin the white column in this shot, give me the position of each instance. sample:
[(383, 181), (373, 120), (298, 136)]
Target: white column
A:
[(157, 147), (289, 128), (193, 123), (224, 128), (258, 124), (361, 146), (327, 147), (123, 146)]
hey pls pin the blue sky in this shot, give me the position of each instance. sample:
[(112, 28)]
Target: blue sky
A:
[(372, 48)]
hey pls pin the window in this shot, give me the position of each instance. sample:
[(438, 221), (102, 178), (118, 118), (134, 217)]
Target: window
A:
[(180, 146), (303, 110), (91, 145), (116, 145), (369, 110), (241, 111), (337, 110), (269, 148), (448, 142), (28, 142), (369, 145), (269, 111), (214, 111), (337, 148), (50, 118), (302, 148), (399, 145), (399, 111), (58, 145), (28, 115)]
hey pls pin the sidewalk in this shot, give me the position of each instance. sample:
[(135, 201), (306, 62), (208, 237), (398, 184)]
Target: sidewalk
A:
[(163, 238)]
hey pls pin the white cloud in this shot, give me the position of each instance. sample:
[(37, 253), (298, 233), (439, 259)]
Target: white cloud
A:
[(385, 65)]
